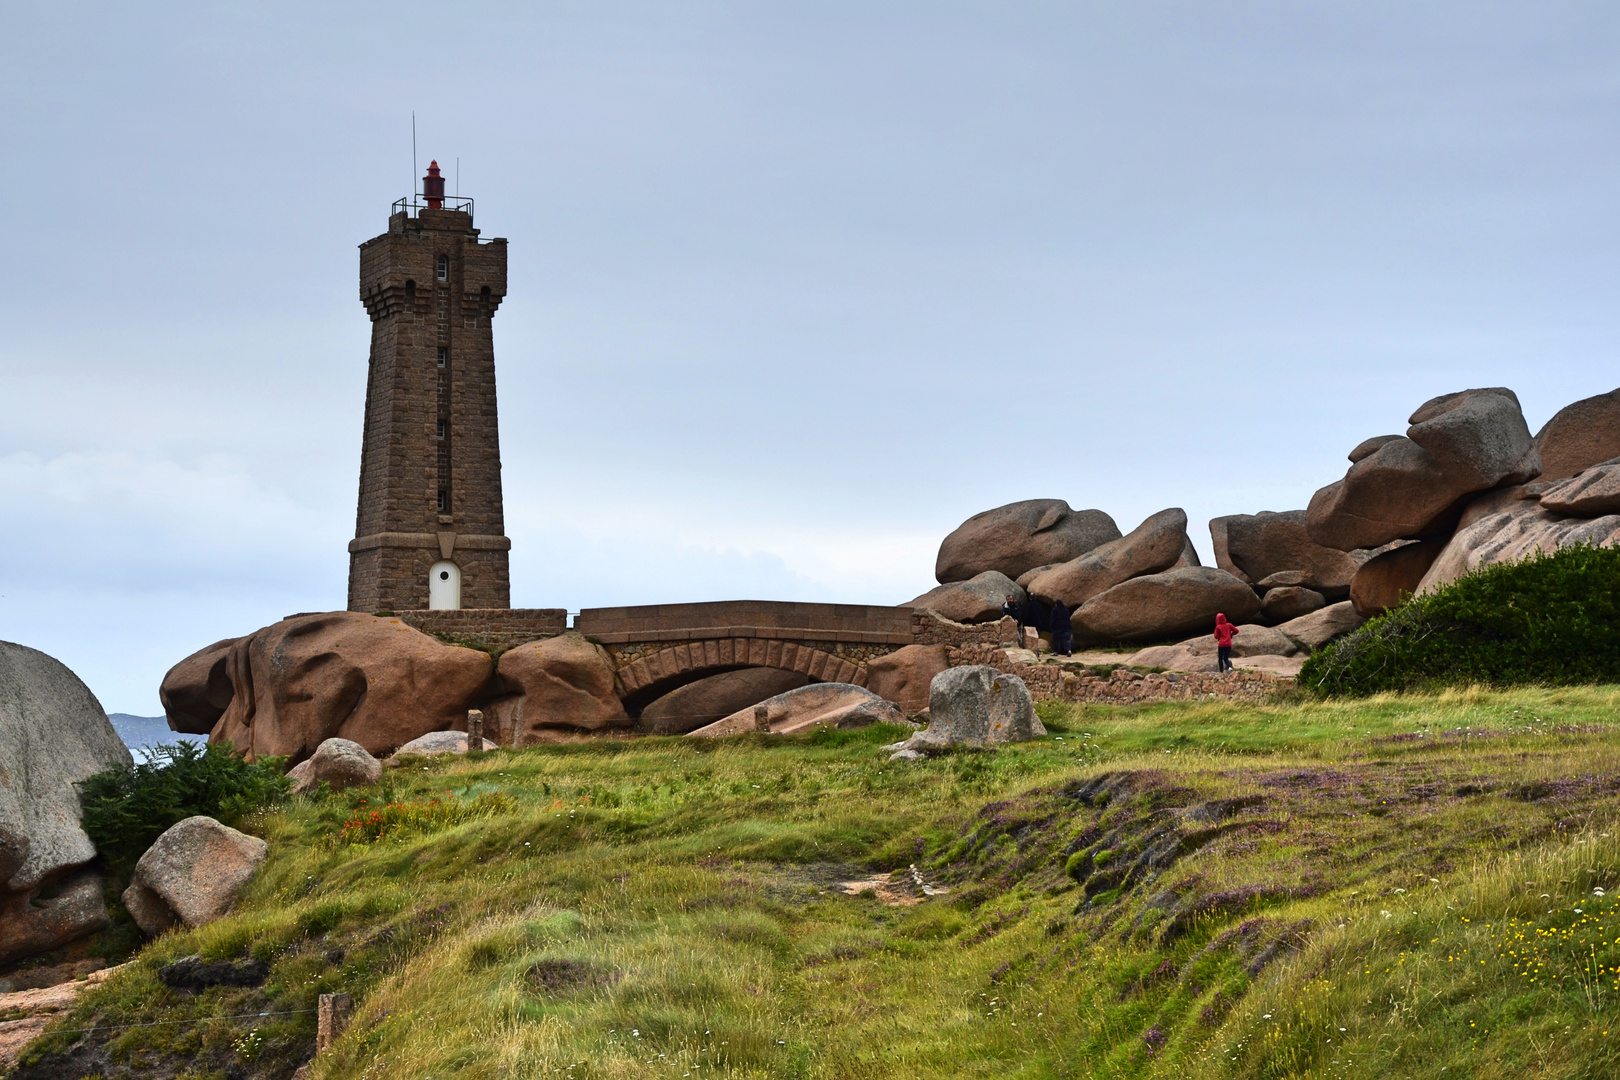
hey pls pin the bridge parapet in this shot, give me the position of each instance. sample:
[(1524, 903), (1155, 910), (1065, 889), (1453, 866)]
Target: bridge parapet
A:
[(780, 620)]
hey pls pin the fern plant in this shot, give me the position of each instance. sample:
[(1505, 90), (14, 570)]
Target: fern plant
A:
[(127, 808)]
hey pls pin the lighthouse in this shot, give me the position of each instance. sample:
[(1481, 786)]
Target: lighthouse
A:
[(429, 530)]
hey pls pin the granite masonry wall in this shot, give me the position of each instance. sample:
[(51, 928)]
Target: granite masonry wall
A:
[(431, 287), (489, 629)]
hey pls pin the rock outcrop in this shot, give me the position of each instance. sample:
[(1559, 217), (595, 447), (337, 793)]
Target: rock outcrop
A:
[(1152, 546), (1290, 602), (340, 764), (1508, 526), (196, 691), (191, 874), (1386, 579), (905, 675), (35, 921), (978, 599), (346, 675), (1254, 547), (834, 705), (1014, 538), (1579, 436), (1320, 627), (1165, 605), (1199, 653), (1404, 488), (438, 742), (1592, 492), (974, 705), (53, 734), (557, 690), (700, 703)]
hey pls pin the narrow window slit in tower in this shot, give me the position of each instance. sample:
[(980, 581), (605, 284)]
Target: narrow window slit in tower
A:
[(442, 426), (444, 356), (444, 268), (444, 501)]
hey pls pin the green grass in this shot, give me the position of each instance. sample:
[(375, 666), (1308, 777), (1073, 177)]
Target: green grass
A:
[(1186, 889)]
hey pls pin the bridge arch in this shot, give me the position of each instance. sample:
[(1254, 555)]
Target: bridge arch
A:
[(652, 675)]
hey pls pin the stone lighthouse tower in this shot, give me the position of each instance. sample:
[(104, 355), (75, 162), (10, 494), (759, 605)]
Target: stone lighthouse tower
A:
[(430, 532)]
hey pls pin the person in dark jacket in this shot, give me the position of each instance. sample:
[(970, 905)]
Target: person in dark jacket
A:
[(1062, 630), (1011, 608), (1035, 615)]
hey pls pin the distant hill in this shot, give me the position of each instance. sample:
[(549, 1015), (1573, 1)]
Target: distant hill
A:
[(141, 733)]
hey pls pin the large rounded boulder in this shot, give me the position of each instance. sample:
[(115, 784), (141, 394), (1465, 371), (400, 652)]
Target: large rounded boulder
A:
[(975, 600), (974, 705), (340, 764), (1019, 536), (53, 734), (1510, 525), (1290, 602), (905, 675), (557, 690), (1405, 488), (700, 703), (1391, 576), (1579, 436), (375, 681), (831, 705), (1156, 544), (1322, 626), (191, 875), (1254, 547), (1167, 605), (197, 690), (1592, 492)]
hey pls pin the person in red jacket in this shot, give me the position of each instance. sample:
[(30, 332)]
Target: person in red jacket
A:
[(1223, 643)]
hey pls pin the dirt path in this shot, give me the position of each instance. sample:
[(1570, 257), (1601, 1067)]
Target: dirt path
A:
[(26, 1013)]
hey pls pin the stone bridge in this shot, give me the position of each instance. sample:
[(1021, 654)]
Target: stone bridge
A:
[(658, 647)]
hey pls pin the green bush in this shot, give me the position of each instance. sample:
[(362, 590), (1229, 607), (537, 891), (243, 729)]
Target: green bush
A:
[(125, 809), (1551, 619)]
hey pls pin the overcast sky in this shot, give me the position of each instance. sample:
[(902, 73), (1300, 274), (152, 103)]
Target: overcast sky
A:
[(794, 288)]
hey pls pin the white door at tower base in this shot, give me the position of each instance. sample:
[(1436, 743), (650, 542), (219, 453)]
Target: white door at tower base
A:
[(444, 587)]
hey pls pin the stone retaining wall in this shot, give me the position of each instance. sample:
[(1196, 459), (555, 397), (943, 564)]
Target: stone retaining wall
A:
[(1049, 682), (929, 628)]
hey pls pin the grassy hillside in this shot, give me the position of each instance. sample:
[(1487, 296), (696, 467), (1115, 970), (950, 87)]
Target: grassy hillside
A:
[(1417, 886)]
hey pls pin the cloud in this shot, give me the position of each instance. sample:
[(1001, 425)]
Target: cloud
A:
[(142, 524)]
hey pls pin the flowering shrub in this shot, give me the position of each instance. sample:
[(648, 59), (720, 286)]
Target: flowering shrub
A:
[(373, 822)]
